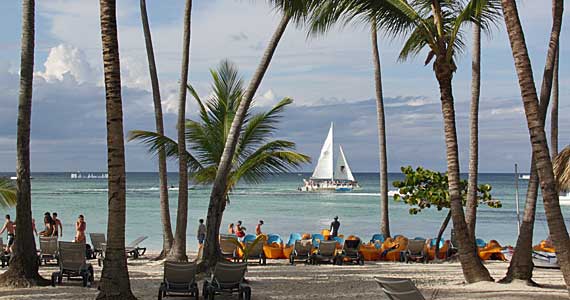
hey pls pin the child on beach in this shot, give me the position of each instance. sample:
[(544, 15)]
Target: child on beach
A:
[(10, 228), (201, 233), (80, 227)]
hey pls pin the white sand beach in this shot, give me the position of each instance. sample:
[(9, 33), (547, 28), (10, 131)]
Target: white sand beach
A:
[(279, 280)]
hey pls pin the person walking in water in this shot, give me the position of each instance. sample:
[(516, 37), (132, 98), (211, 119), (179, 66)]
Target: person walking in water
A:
[(80, 227), (335, 225), (58, 227), (201, 234), (258, 228), (10, 228)]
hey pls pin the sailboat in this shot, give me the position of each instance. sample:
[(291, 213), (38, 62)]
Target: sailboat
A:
[(327, 176)]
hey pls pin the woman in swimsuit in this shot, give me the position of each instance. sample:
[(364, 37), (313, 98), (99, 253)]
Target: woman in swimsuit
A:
[(80, 227)]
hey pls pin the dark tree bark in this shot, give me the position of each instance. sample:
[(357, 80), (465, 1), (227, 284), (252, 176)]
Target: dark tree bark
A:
[(440, 233), (178, 252), (115, 282), (384, 211), (167, 237), (23, 269), (554, 112)]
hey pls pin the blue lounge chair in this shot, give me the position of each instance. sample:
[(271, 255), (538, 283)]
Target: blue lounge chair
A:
[(249, 238), (377, 237), (294, 237), (317, 238), (274, 238), (338, 240), (480, 243)]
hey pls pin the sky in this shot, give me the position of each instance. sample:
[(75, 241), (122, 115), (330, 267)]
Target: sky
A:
[(330, 78)]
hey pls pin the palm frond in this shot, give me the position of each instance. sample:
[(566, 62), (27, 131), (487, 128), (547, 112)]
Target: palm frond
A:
[(561, 166), (7, 193)]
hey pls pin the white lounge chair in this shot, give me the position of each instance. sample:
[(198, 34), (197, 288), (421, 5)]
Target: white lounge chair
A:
[(401, 289)]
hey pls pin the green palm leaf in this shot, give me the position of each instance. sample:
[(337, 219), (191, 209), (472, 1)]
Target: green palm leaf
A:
[(7, 193)]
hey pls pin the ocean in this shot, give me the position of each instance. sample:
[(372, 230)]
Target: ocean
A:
[(276, 201)]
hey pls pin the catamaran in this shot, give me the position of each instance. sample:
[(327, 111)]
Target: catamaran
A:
[(327, 177)]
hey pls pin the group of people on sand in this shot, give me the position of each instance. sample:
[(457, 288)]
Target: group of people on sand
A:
[(239, 230), (52, 228)]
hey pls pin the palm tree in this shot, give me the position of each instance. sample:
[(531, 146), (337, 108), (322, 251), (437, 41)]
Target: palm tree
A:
[(255, 156), (7, 193), (292, 9), (322, 17), (554, 112), (521, 264), (167, 237), (533, 111), (489, 8), (115, 282), (178, 252), (23, 270)]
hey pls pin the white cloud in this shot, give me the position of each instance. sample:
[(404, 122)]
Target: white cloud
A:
[(507, 111), (65, 59)]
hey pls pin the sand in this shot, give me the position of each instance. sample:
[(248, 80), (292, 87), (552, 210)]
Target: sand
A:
[(278, 280)]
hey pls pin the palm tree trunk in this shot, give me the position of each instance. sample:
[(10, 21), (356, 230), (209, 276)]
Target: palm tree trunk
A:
[(115, 282), (473, 269), (554, 217), (472, 199), (23, 270), (521, 265), (167, 238), (218, 195), (384, 219), (178, 252), (554, 112)]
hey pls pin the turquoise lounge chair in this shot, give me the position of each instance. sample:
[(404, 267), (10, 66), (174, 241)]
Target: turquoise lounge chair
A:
[(377, 237), (294, 237), (317, 238), (274, 238)]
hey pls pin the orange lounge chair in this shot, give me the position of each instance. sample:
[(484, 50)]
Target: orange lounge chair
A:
[(544, 246), (492, 251), (273, 251), (444, 247), (392, 248), (370, 252)]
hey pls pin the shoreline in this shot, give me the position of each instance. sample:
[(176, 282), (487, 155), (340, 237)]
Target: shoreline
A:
[(279, 280)]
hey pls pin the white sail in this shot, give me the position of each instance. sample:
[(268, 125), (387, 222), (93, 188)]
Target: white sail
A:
[(342, 170), (324, 169)]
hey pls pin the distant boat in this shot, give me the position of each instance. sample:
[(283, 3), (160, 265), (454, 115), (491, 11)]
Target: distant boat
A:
[(14, 178), (79, 175), (564, 198), (327, 176), (524, 177)]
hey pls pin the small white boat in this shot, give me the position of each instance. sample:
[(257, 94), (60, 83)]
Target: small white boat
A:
[(545, 260), (14, 178), (564, 198), (327, 176), (524, 177)]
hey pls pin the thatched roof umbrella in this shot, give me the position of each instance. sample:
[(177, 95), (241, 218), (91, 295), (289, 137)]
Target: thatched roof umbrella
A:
[(562, 169)]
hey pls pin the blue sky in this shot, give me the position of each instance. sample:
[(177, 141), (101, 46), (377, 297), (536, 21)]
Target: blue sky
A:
[(329, 77)]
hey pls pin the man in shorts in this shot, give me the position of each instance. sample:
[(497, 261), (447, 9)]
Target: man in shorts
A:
[(10, 228), (201, 233)]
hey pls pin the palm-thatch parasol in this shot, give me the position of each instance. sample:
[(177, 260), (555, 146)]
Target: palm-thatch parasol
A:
[(561, 166)]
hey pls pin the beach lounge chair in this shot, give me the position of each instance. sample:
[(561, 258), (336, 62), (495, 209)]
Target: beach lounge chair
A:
[(378, 237), (274, 238), (133, 248), (317, 238), (4, 257), (401, 289), (72, 263), (350, 252), (302, 251), (255, 252), (97, 239), (48, 249), (445, 249), (293, 238), (416, 251), (228, 247), (249, 238), (325, 253), (179, 280), (227, 279)]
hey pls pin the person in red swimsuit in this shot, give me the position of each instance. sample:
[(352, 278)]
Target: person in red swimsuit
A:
[(240, 230)]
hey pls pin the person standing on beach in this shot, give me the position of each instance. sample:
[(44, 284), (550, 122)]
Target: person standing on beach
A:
[(10, 228), (58, 227), (258, 228), (201, 233), (49, 225), (335, 225), (231, 229), (80, 227)]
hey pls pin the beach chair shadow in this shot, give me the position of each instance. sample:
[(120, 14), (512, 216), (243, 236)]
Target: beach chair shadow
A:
[(227, 279), (72, 263), (401, 289), (179, 280)]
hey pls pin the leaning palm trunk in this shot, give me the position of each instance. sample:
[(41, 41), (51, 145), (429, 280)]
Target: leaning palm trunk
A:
[(218, 196), (115, 282), (178, 252), (473, 269), (554, 112), (521, 265), (23, 270), (167, 237), (554, 217), (472, 200), (384, 220)]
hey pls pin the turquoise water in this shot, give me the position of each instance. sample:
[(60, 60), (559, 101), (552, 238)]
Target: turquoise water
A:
[(276, 201)]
